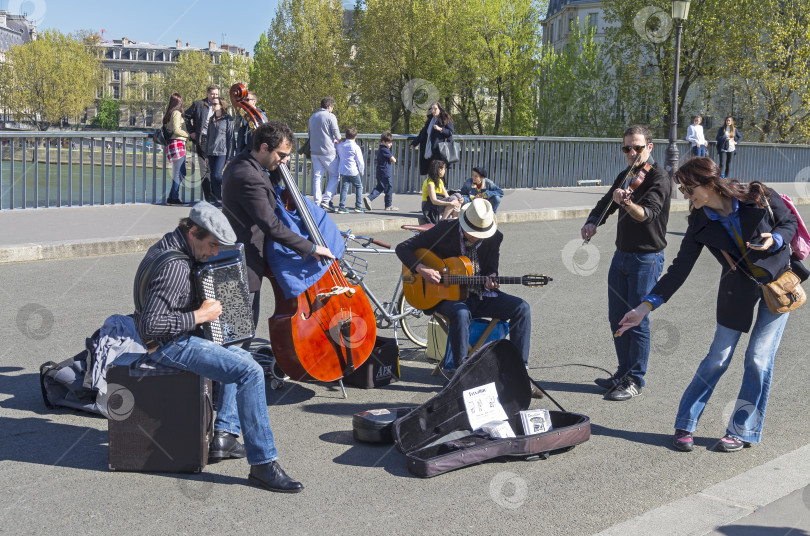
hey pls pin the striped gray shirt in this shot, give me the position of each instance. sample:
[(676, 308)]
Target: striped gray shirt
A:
[(168, 310)]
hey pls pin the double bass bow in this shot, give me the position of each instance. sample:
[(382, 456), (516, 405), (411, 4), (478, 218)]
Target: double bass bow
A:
[(329, 330), (638, 171)]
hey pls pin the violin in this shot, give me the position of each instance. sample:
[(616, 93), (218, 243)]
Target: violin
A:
[(638, 172), (330, 329)]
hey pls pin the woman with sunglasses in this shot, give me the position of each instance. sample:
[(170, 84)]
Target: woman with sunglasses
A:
[(751, 244)]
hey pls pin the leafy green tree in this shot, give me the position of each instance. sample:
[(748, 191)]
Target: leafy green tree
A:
[(403, 47), (576, 90), (109, 113), (640, 42), (49, 79), (303, 58), (189, 76), (770, 73), (231, 70), (497, 56), (142, 94)]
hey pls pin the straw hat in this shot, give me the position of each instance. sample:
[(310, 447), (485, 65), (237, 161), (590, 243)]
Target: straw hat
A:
[(477, 218)]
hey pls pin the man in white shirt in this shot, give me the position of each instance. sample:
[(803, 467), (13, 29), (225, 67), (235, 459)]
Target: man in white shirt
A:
[(323, 135), (694, 134)]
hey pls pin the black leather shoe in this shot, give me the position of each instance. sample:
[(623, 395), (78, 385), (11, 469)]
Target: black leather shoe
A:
[(223, 446), (271, 476)]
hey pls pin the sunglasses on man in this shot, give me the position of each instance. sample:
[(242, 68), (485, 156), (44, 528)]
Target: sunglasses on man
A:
[(636, 148)]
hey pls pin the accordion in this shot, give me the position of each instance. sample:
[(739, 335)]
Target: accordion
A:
[(224, 278)]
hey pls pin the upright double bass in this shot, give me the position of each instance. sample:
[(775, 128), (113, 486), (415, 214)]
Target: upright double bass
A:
[(329, 330)]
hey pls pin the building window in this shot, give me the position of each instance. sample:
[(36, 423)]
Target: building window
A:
[(116, 92), (593, 20), (116, 74)]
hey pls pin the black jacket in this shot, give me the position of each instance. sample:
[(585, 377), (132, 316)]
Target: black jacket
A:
[(196, 116), (737, 294), (722, 142), (249, 202), (654, 194), (443, 241), (433, 138)]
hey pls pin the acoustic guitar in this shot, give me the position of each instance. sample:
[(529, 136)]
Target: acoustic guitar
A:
[(456, 275)]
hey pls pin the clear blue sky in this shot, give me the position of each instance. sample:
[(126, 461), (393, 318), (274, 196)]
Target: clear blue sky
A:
[(155, 21)]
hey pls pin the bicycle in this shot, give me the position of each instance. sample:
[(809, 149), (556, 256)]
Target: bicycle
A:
[(414, 322)]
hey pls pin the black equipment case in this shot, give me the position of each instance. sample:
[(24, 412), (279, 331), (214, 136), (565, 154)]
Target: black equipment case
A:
[(158, 423), (376, 425), (381, 367), (436, 437)]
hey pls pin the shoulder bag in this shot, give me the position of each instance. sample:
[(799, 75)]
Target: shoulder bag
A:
[(783, 294), (449, 151)]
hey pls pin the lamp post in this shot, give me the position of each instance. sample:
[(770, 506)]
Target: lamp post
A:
[(680, 10)]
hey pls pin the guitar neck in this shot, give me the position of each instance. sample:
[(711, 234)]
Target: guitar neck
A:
[(480, 279)]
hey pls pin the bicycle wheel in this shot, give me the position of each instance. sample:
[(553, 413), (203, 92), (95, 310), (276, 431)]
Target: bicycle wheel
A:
[(415, 325)]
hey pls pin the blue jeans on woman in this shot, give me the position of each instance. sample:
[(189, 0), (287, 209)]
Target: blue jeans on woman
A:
[(749, 410), (630, 278), (216, 163), (345, 182), (241, 404), (178, 176)]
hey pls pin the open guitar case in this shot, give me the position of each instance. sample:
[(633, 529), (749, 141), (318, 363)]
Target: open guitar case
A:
[(436, 437)]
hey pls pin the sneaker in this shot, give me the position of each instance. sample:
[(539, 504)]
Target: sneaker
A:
[(328, 207), (729, 443), (608, 383), (683, 441), (392, 208), (367, 202), (722, 175), (626, 390), (360, 210), (342, 210)]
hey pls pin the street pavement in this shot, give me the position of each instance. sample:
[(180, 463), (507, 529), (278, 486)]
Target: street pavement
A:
[(626, 479)]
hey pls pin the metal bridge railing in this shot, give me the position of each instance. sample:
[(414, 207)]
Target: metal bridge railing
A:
[(63, 169)]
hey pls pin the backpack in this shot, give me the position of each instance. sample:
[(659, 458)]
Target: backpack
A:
[(162, 136), (62, 383), (801, 240)]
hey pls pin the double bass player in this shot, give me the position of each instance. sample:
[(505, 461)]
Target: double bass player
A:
[(641, 196), (249, 202)]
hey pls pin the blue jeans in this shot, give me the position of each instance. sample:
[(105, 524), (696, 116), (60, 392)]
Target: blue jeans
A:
[(216, 163), (495, 201), (749, 410), (631, 277), (699, 150), (178, 176), (241, 405), (504, 306), (345, 182), (383, 187)]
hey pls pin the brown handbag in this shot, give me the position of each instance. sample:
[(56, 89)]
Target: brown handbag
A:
[(783, 294)]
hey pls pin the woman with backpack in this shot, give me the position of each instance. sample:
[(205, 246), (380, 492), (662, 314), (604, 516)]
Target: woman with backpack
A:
[(176, 149), (748, 229)]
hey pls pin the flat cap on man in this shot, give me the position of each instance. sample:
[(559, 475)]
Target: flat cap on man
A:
[(214, 221)]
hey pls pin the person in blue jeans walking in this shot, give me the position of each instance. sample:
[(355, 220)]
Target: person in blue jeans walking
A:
[(383, 174), (748, 229), (169, 323), (639, 257), (351, 168)]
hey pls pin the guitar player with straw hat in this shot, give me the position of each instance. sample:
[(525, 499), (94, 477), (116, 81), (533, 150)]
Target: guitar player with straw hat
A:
[(473, 235)]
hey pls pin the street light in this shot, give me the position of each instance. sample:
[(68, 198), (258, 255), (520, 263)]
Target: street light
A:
[(680, 10)]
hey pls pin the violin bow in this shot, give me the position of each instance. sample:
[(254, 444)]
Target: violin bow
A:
[(637, 162)]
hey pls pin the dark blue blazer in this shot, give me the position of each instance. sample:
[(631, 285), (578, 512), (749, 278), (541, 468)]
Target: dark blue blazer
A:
[(722, 142), (738, 294)]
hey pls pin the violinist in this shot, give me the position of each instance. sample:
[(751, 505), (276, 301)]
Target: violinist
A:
[(249, 202), (641, 196)]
